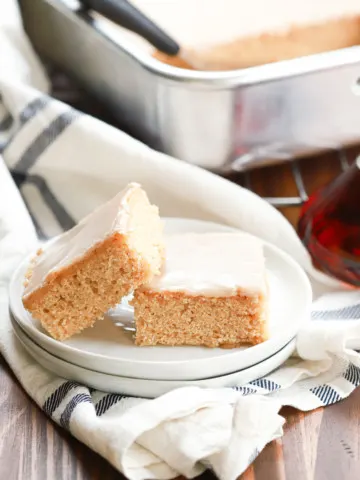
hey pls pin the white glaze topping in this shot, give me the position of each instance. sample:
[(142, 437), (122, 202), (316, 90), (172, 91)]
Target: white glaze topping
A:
[(111, 217), (204, 23), (214, 264)]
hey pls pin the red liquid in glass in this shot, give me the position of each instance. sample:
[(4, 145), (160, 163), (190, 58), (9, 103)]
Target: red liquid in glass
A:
[(329, 227)]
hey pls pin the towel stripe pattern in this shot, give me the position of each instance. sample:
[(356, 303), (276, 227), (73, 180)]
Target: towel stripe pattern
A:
[(31, 149)]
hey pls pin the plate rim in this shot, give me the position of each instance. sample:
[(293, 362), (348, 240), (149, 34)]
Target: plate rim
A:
[(17, 326), (290, 345)]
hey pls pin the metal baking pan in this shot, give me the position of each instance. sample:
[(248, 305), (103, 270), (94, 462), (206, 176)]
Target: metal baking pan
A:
[(221, 121)]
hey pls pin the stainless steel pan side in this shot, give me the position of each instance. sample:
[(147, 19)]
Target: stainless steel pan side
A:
[(218, 120)]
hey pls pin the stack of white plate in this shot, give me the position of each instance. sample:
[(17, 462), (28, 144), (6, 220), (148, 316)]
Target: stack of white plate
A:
[(105, 357)]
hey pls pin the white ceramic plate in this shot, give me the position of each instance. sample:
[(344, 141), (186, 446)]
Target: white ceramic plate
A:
[(146, 388), (109, 348)]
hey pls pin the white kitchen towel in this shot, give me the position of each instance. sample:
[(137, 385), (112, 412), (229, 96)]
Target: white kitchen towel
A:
[(63, 164)]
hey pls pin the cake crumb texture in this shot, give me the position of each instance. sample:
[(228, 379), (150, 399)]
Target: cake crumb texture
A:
[(71, 296), (79, 295), (269, 47), (176, 318)]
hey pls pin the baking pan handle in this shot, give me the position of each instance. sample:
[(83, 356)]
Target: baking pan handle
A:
[(126, 15)]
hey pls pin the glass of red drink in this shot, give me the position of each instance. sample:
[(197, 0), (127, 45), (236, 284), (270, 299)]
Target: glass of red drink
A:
[(329, 226)]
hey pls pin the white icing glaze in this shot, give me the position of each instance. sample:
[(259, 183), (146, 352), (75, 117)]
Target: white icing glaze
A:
[(204, 23), (215, 264), (109, 218)]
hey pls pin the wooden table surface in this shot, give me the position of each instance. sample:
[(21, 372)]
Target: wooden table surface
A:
[(319, 445)]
